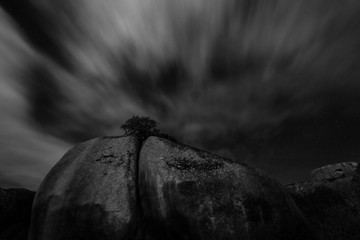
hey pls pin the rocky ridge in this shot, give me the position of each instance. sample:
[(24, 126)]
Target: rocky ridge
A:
[(120, 188), (123, 188)]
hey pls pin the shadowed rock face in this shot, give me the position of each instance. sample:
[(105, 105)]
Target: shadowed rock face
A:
[(89, 194), (15, 211), (191, 194), (331, 204), (113, 188)]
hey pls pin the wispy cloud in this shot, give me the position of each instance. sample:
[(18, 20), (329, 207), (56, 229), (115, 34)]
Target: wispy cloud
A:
[(229, 76)]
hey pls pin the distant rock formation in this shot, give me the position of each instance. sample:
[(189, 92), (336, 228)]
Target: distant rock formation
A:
[(118, 188), (331, 176), (335, 171), (331, 201), (15, 211)]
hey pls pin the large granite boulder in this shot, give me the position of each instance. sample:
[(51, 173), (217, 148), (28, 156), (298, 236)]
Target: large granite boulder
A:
[(15, 211), (114, 188), (89, 194), (331, 201), (191, 194)]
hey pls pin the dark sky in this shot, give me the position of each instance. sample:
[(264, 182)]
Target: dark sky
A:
[(272, 83)]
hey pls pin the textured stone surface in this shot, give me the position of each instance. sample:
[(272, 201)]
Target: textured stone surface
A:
[(15, 211), (331, 205), (191, 194), (335, 171), (335, 176), (89, 194), (104, 189)]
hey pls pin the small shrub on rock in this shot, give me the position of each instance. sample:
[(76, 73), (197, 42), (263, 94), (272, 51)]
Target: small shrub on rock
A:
[(143, 127)]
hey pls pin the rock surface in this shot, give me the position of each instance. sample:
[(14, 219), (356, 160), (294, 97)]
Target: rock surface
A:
[(335, 171), (330, 176), (115, 188), (331, 204), (89, 194), (15, 211), (191, 194)]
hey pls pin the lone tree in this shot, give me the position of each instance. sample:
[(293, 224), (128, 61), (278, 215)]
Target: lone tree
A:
[(143, 127)]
